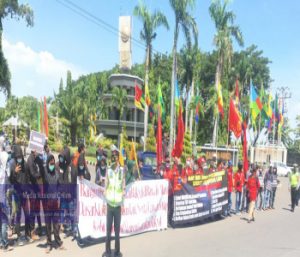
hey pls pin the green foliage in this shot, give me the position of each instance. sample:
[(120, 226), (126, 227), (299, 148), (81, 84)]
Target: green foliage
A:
[(12, 9), (151, 140), (187, 147)]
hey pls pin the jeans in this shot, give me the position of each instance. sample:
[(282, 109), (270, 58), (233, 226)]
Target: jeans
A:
[(229, 202), (273, 197), (268, 196), (260, 199), (113, 216), (238, 201), (3, 225)]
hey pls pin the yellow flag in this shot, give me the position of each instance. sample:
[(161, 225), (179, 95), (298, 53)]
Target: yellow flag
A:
[(121, 158)]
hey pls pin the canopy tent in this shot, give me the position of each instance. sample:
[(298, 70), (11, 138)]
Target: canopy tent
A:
[(15, 122)]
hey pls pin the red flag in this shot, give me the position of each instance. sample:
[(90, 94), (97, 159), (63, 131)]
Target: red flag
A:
[(245, 149), (45, 117), (42, 124), (138, 97), (178, 148), (159, 156), (234, 120)]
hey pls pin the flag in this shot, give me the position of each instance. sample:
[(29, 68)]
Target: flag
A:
[(42, 117), (159, 154), (234, 120), (281, 120), (46, 117), (255, 103), (178, 147), (220, 100), (122, 151), (177, 95), (197, 100), (138, 98), (160, 102), (39, 117), (245, 148), (147, 95), (132, 156)]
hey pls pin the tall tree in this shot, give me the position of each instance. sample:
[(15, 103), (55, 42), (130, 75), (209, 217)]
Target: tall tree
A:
[(226, 31), (183, 20), (151, 21), (11, 8)]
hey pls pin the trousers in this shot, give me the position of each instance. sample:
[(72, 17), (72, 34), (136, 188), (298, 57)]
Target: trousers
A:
[(113, 216)]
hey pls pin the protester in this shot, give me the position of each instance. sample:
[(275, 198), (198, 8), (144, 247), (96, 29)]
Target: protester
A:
[(275, 183), (188, 171), (64, 161), (35, 179), (294, 179), (4, 207), (252, 186), (52, 209), (114, 194), (46, 153), (239, 181), (229, 186), (101, 168), (19, 179), (260, 200), (268, 188)]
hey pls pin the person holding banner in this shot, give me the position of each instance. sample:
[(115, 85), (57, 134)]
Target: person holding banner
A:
[(114, 194), (239, 181)]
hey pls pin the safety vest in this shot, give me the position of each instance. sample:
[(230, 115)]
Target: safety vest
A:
[(114, 191), (294, 179)]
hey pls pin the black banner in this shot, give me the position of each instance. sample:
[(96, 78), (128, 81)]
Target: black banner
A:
[(200, 196)]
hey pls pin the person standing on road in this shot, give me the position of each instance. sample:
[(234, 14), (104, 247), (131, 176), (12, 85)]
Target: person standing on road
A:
[(275, 183), (114, 194), (253, 187), (268, 189), (52, 208), (260, 200), (239, 181), (230, 186), (293, 186)]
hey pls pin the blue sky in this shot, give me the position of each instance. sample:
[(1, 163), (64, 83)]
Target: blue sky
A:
[(60, 39)]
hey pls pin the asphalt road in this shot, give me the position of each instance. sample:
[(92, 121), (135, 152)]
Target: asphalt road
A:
[(274, 233)]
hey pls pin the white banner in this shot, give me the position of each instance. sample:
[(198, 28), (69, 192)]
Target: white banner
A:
[(145, 208)]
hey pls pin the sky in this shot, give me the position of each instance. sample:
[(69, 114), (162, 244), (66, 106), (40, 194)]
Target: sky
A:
[(62, 40)]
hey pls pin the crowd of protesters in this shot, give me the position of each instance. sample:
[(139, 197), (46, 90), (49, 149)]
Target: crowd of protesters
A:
[(29, 188)]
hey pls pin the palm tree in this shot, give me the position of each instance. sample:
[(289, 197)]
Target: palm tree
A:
[(224, 23), (151, 21), (119, 101), (185, 21)]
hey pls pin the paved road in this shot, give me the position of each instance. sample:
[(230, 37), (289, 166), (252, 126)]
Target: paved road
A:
[(274, 233)]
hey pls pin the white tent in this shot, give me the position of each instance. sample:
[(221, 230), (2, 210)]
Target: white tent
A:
[(15, 122)]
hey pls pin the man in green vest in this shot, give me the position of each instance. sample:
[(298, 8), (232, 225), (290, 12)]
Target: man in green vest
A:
[(114, 194), (294, 183)]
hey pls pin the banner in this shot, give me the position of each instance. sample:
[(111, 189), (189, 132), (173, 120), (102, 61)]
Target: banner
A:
[(200, 196), (37, 141), (145, 208)]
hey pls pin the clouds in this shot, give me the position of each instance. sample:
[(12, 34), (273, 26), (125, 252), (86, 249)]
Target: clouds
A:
[(35, 73)]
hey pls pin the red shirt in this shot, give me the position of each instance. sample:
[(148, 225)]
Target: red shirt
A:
[(230, 179), (253, 186), (239, 180), (188, 171)]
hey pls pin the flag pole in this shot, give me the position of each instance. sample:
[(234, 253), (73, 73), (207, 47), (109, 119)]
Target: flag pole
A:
[(134, 135)]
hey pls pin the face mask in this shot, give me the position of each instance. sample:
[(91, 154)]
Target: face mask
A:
[(9, 156), (81, 167), (51, 167), (61, 159), (103, 167), (98, 157), (188, 163), (19, 160)]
